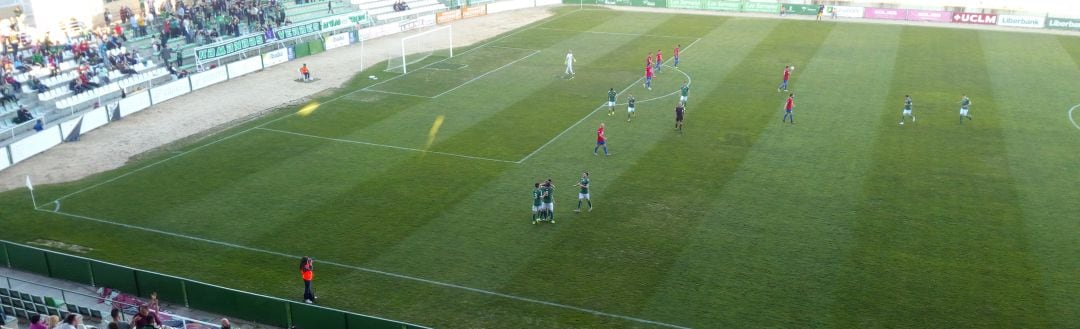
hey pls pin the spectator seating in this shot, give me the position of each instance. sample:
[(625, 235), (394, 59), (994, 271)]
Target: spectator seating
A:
[(416, 7), (314, 10), (110, 88), (23, 305)]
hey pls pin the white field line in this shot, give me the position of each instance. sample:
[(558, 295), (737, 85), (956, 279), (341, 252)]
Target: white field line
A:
[(1071, 116), (374, 271), (553, 139), (616, 33), (538, 23), (384, 145), (486, 44), (396, 93), (486, 73)]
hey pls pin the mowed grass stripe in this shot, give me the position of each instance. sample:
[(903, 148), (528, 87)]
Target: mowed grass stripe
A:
[(623, 258), (777, 230), (277, 193), (502, 205), (940, 240), (1033, 78)]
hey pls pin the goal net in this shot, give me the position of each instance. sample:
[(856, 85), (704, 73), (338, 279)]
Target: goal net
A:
[(433, 45)]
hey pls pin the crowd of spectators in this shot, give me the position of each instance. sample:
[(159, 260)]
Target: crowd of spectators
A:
[(206, 21)]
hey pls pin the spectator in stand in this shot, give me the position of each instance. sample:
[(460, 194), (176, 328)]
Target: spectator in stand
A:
[(14, 83), (36, 322), (52, 322), (37, 85), (23, 115), (144, 319), (6, 96), (225, 324), (39, 125), (72, 321), (114, 319)]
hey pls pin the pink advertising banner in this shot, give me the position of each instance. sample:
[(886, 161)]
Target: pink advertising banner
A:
[(884, 13), (926, 15)]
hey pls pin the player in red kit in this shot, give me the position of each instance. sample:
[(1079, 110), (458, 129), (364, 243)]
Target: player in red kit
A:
[(787, 75), (788, 106), (601, 141), (648, 77), (677, 55), (659, 61)]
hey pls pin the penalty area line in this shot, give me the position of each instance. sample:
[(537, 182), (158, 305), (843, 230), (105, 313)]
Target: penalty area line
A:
[(385, 146), (590, 114), (371, 270)]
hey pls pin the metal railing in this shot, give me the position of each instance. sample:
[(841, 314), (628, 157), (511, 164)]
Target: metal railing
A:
[(172, 320)]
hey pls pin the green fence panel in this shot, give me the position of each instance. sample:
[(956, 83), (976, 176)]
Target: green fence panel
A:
[(115, 277), (724, 5), (761, 7), (649, 3), (4, 255), (69, 268), (169, 289), (310, 316), (236, 304), (357, 321), (687, 4), (28, 259), (316, 46), (301, 50), (801, 9)]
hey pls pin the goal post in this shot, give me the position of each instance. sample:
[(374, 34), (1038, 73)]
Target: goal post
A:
[(434, 44)]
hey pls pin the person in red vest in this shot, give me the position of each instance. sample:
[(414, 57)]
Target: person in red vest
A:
[(305, 73), (307, 274)]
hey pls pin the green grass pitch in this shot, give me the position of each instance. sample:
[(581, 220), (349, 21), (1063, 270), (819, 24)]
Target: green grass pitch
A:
[(844, 219)]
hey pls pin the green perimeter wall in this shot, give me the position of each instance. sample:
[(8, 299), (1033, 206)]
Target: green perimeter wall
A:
[(718, 5), (202, 296)]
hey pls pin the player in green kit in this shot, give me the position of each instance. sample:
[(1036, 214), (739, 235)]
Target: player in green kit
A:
[(685, 91), (611, 101), (548, 199), (965, 105), (907, 110), (584, 194), (537, 196), (630, 107)]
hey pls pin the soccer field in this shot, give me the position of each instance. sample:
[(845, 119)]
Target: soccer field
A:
[(412, 192)]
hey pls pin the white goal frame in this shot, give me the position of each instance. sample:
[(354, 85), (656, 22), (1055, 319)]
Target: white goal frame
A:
[(404, 57)]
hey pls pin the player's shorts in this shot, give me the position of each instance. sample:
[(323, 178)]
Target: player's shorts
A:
[(582, 196), (907, 112), (682, 98), (678, 117), (629, 110), (963, 111), (610, 104), (600, 142), (548, 206), (536, 208), (787, 110)]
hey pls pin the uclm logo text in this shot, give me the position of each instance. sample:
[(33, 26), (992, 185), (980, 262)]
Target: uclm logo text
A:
[(975, 18)]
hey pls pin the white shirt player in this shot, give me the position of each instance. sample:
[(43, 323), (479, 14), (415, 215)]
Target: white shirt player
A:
[(570, 62)]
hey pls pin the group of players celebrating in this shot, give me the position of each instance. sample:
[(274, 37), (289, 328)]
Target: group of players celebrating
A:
[(543, 208)]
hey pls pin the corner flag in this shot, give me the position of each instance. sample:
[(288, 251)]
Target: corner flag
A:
[(28, 184)]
